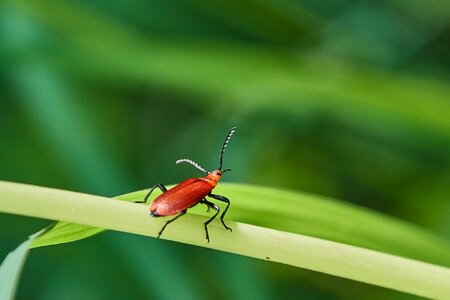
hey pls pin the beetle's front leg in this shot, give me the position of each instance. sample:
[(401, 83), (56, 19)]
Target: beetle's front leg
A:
[(227, 201)]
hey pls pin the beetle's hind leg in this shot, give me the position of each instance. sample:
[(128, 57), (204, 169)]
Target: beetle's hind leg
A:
[(159, 185), (170, 221), (216, 208)]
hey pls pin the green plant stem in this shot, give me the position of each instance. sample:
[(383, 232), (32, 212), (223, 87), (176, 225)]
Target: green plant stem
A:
[(338, 259)]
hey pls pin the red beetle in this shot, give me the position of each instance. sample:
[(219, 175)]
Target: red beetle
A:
[(191, 192)]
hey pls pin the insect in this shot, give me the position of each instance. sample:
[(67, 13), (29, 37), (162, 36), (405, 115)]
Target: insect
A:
[(190, 192)]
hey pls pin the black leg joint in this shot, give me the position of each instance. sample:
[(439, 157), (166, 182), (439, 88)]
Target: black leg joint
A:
[(170, 221), (159, 185), (217, 209), (227, 201)]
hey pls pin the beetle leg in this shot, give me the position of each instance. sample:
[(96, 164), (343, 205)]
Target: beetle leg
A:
[(207, 203), (170, 221), (227, 201), (216, 208), (159, 185)]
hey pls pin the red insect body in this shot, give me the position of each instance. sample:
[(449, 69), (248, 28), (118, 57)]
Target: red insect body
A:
[(185, 195), (190, 192)]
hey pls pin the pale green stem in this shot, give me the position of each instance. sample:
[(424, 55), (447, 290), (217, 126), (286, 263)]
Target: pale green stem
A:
[(338, 259)]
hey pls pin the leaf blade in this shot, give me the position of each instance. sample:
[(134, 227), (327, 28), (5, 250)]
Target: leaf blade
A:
[(11, 268)]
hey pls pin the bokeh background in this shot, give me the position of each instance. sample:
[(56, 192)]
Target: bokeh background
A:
[(348, 99)]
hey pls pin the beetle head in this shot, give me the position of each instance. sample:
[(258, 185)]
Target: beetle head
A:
[(214, 175)]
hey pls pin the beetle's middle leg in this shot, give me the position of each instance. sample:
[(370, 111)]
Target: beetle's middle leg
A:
[(216, 208), (207, 203)]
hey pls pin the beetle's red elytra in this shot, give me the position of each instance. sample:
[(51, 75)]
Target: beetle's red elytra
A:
[(191, 192)]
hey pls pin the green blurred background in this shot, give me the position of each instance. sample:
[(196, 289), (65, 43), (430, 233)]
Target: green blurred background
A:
[(348, 99)]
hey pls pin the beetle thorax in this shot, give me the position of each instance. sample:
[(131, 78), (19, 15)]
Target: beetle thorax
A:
[(213, 177)]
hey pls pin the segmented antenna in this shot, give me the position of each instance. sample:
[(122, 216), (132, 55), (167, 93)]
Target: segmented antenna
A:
[(192, 163), (225, 145)]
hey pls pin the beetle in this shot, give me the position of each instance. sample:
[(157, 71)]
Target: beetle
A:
[(191, 192)]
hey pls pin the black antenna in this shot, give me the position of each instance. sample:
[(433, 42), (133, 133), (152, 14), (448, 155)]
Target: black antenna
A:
[(224, 146), (192, 163)]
